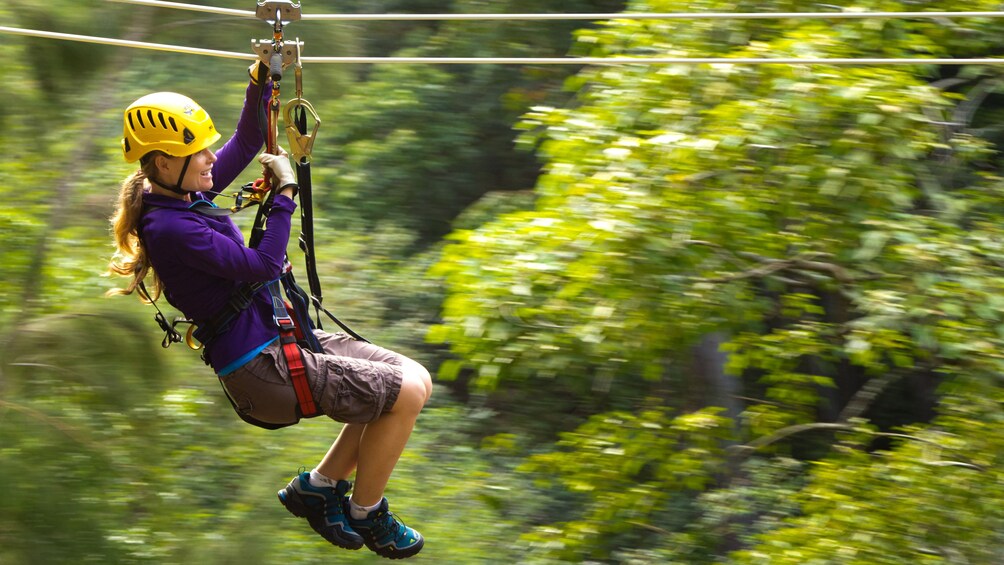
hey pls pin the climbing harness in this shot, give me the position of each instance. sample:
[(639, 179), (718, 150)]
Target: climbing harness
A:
[(291, 313)]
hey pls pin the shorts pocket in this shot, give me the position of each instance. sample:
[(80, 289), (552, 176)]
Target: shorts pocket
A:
[(262, 392), (354, 390)]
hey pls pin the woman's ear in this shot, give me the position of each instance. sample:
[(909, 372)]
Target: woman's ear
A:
[(162, 163)]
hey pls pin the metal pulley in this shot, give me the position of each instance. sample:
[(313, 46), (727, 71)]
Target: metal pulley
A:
[(278, 11), (275, 56), (275, 52)]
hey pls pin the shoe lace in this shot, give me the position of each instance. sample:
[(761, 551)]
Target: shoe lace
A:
[(389, 524), (333, 509)]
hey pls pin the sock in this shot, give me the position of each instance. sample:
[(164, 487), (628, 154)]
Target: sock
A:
[(319, 480), (361, 512)]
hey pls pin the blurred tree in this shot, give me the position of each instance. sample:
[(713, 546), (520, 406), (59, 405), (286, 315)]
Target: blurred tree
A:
[(94, 104), (837, 225), (414, 146)]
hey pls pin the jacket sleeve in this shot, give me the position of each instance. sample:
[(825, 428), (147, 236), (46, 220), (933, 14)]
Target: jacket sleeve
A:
[(238, 152), (202, 248)]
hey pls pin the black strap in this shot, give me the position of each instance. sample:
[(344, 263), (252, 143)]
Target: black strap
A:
[(207, 208), (258, 228), (206, 332), (177, 186), (299, 300), (184, 169), (341, 324), (307, 219)]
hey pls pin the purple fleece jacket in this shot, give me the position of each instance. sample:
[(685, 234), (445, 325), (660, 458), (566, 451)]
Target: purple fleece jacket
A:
[(201, 260)]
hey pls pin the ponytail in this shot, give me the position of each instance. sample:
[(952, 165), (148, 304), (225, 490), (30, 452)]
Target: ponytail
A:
[(130, 259)]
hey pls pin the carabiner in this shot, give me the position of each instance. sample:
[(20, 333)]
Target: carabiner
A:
[(300, 144), (190, 339)]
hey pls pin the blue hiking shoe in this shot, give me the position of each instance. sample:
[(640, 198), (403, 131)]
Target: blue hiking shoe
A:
[(325, 508), (386, 536)]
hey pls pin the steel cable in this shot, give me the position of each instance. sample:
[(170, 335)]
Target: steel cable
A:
[(513, 60), (562, 16)]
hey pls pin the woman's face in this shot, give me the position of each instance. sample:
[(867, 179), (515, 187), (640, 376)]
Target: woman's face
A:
[(198, 177)]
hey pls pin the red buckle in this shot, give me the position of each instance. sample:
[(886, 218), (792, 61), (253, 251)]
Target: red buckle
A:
[(285, 323)]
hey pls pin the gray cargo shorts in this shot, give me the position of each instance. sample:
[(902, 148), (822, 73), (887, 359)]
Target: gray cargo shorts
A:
[(352, 381)]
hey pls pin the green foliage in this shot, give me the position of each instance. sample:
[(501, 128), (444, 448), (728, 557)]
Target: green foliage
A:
[(836, 226), (932, 499), (415, 145), (390, 144), (838, 223), (61, 66), (628, 466)]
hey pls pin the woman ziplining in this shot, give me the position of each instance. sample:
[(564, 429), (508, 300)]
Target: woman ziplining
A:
[(274, 371)]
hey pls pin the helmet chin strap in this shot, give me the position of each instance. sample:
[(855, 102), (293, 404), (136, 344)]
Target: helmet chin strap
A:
[(177, 186)]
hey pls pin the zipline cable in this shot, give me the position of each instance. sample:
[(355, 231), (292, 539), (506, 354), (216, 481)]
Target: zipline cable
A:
[(649, 61), (563, 16), (191, 7), (513, 60), (126, 43)]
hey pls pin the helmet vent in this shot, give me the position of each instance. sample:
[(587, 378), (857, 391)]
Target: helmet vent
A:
[(139, 118), (131, 125), (149, 115), (174, 126), (188, 136), (162, 122)]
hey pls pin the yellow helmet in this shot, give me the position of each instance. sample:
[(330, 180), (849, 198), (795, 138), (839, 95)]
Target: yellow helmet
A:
[(168, 122)]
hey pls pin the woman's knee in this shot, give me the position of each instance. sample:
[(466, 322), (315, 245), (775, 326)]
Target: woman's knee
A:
[(422, 374), (416, 387)]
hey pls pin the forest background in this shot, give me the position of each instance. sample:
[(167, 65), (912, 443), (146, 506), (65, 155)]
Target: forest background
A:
[(676, 313)]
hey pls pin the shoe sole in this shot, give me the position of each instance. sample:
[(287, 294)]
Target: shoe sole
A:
[(398, 554), (294, 503)]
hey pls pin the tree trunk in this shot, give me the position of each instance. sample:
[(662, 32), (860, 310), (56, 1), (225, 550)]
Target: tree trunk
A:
[(719, 388)]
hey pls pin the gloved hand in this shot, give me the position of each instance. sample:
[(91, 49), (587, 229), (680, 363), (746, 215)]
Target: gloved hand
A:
[(257, 69), (280, 168)]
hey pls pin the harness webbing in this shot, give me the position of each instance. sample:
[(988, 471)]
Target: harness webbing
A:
[(239, 301), (291, 351), (307, 216)]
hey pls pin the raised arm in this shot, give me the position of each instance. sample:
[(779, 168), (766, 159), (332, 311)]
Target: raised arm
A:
[(238, 152)]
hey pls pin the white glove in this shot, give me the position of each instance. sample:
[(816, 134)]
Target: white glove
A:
[(280, 168)]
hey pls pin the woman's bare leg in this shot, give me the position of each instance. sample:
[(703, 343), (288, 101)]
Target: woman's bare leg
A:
[(375, 448), (340, 461)]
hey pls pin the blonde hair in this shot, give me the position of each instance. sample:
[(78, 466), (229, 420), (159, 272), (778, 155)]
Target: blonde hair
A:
[(129, 258)]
